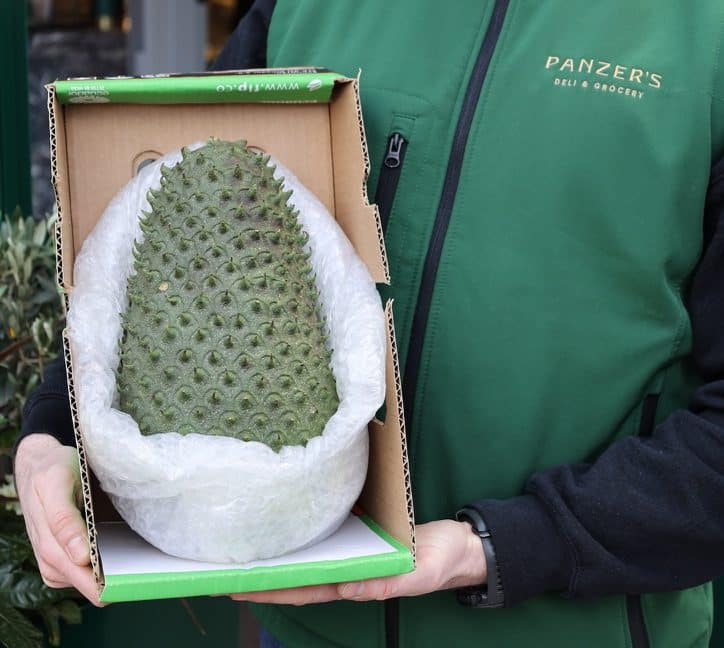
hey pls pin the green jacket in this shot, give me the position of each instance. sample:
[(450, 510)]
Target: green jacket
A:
[(543, 228)]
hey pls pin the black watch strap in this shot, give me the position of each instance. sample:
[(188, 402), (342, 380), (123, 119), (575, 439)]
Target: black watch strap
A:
[(482, 596)]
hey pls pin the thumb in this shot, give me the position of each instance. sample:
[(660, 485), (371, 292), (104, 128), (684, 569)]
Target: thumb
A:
[(63, 517)]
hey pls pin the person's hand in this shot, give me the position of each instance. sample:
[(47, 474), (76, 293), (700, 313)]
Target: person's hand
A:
[(449, 555), (47, 478)]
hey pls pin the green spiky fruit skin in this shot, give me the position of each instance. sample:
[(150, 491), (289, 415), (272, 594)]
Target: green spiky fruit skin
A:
[(222, 334)]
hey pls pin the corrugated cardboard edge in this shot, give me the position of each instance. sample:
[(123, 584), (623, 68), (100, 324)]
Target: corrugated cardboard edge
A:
[(53, 145), (388, 451), (365, 197), (62, 230), (346, 163), (83, 463), (208, 73), (58, 172)]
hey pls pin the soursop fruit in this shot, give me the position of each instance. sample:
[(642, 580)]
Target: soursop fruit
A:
[(223, 334)]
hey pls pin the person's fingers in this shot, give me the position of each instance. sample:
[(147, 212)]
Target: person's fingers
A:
[(47, 479), (61, 569), (361, 591), (31, 528), (381, 589), (56, 488), (443, 549), (51, 576), (292, 595), (378, 589), (83, 580)]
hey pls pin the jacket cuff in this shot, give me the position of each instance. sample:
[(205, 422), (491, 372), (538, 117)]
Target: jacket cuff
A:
[(533, 557), (48, 414)]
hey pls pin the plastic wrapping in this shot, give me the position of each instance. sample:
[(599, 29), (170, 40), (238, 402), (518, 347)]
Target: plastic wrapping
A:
[(215, 498)]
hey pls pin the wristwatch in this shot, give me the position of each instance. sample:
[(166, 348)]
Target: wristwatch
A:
[(481, 596)]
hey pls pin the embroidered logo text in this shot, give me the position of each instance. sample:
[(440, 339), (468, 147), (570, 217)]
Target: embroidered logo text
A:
[(605, 77)]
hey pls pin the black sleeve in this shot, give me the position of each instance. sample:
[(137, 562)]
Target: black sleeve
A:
[(48, 407), (648, 514), (246, 47)]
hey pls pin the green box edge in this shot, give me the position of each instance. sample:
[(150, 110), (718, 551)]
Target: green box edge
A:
[(142, 587), (203, 88)]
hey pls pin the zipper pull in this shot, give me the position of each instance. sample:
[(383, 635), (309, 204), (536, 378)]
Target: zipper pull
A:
[(394, 151)]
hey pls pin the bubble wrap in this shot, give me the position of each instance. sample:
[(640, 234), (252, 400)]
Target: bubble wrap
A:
[(215, 498)]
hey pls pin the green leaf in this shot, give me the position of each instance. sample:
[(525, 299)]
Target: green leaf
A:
[(40, 233), (28, 267), (6, 386), (47, 295), (13, 526), (16, 631), (52, 625), (30, 593), (14, 549), (7, 580), (69, 611)]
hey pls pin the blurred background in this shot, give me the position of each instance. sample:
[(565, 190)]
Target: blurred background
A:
[(71, 38)]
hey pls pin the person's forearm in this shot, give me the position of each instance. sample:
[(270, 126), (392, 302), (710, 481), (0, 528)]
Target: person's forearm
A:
[(647, 515)]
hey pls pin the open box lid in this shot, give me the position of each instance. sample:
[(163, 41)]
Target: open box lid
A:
[(98, 144), (322, 140)]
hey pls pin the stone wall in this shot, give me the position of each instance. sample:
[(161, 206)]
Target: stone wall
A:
[(58, 54)]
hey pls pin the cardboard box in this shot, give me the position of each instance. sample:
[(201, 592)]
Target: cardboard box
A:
[(101, 131)]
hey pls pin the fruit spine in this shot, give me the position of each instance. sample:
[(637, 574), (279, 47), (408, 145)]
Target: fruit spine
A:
[(223, 334)]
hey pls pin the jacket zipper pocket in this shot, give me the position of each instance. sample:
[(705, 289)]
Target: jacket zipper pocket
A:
[(390, 176), (634, 607)]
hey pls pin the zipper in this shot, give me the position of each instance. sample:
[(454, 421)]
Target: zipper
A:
[(636, 622), (444, 209), (634, 606), (648, 415), (392, 623), (432, 258), (390, 176)]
